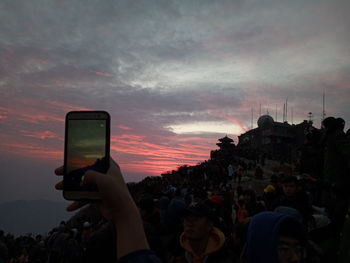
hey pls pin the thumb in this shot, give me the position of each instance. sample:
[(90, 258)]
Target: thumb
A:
[(91, 177)]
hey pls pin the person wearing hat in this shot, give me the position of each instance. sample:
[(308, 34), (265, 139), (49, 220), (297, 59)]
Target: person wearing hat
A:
[(201, 241), (293, 196)]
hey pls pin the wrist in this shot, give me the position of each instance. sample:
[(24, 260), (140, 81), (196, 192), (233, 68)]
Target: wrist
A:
[(126, 216)]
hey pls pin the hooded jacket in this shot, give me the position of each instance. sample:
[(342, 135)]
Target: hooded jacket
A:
[(215, 251), (262, 238)]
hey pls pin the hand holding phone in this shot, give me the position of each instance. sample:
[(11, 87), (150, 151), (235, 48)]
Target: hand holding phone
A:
[(117, 206), (87, 146)]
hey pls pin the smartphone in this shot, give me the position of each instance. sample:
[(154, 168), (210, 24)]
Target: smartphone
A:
[(86, 147)]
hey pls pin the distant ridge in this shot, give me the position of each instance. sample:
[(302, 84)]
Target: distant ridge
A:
[(36, 216)]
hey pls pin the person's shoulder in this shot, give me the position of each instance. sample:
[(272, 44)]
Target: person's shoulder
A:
[(140, 256), (223, 255), (342, 142)]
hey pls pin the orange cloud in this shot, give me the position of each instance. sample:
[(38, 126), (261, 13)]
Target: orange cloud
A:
[(76, 162)]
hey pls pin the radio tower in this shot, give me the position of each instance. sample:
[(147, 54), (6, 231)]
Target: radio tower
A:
[(286, 110), (252, 119), (276, 114), (259, 109), (324, 108)]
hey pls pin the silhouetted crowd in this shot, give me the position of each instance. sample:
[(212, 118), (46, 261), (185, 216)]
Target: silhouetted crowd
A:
[(224, 210)]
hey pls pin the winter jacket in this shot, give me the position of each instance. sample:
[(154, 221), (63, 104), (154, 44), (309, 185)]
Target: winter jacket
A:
[(216, 250)]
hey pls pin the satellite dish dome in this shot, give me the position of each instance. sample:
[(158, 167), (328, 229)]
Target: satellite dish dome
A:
[(265, 120)]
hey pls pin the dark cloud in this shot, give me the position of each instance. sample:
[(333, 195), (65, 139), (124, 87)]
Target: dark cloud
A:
[(157, 64)]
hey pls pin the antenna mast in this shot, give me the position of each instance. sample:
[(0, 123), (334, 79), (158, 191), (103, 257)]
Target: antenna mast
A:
[(276, 113), (252, 119), (324, 108), (260, 110), (286, 110)]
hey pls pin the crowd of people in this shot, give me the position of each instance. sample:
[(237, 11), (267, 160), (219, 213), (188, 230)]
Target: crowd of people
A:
[(208, 213)]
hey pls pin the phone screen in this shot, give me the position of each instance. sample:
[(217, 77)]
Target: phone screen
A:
[(85, 150)]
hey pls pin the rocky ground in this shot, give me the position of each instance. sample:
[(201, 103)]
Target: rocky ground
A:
[(270, 168)]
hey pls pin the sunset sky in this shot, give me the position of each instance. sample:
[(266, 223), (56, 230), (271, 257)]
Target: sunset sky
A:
[(174, 75)]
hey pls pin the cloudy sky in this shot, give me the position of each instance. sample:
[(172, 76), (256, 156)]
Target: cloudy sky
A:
[(174, 75)]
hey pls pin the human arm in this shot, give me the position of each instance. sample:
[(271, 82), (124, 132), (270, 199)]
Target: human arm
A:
[(117, 206)]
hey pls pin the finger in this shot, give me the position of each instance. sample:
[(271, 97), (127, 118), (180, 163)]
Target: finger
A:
[(91, 177), (59, 185), (59, 170), (76, 205), (114, 163)]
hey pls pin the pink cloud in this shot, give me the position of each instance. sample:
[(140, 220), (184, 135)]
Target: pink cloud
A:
[(127, 137), (151, 149), (41, 135), (135, 152), (27, 110), (30, 115), (154, 158), (4, 110), (39, 117), (67, 107), (102, 73), (124, 127), (138, 152)]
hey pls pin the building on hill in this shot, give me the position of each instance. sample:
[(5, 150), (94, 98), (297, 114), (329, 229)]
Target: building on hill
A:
[(226, 149), (276, 140)]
